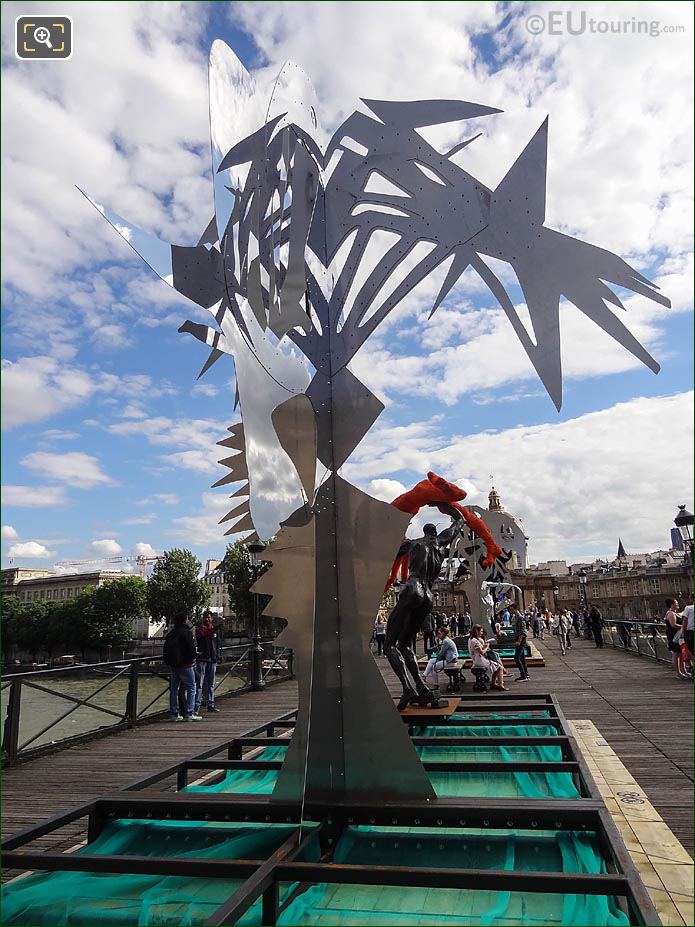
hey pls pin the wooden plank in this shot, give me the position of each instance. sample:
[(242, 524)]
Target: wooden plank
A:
[(663, 864)]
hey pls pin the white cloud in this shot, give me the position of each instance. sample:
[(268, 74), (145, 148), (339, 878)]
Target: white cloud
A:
[(163, 498), (141, 549), (133, 410), (33, 496), (196, 437), (201, 461), (105, 547), (55, 434), (127, 121), (8, 533), (386, 490), (204, 389), (35, 388), (142, 520), (476, 350), (76, 468), (30, 550), (39, 387), (203, 526), (577, 485)]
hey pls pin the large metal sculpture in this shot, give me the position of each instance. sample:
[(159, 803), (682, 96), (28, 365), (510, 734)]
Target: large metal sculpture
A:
[(309, 249)]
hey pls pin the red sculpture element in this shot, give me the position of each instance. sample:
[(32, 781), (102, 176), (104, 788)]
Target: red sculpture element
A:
[(400, 565), (442, 494)]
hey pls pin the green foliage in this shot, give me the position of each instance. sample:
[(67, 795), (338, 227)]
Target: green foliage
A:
[(97, 617), (109, 611), (240, 575), (174, 587)]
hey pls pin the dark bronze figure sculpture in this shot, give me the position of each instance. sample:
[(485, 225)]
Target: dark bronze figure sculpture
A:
[(425, 556)]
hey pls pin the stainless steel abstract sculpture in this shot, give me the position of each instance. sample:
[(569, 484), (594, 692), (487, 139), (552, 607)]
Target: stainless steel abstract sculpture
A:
[(467, 569), (309, 249)]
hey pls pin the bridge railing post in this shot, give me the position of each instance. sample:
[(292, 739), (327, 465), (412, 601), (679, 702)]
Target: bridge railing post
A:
[(10, 734), (131, 707)]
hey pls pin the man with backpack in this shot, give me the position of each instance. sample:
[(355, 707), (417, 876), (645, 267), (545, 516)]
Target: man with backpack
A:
[(180, 657)]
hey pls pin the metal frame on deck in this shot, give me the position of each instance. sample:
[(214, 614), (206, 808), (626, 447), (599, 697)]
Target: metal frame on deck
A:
[(327, 822)]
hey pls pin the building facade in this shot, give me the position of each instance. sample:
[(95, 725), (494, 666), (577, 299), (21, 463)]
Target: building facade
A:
[(220, 605), (12, 576), (634, 587)]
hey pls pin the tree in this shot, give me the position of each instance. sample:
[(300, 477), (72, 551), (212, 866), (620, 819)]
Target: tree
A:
[(30, 629), (175, 587), (12, 610), (240, 575), (107, 613)]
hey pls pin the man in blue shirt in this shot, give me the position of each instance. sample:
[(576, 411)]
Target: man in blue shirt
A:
[(446, 654)]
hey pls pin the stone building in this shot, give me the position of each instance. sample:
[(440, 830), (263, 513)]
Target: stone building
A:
[(219, 600), (52, 586), (630, 587), (12, 576)]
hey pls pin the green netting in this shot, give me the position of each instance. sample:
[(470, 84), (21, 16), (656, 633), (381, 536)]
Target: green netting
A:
[(84, 899), (539, 714), (247, 781), (81, 899), (446, 784), (346, 905)]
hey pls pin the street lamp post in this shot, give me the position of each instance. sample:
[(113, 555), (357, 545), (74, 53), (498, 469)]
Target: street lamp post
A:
[(684, 522), (582, 585), (556, 592), (257, 681)]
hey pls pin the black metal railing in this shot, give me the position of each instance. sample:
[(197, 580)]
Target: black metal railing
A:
[(46, 709), (645, 638)]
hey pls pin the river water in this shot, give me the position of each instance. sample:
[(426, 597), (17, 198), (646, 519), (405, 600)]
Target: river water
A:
[(39, 709)]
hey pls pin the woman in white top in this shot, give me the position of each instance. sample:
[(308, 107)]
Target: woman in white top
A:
[(478, 648)]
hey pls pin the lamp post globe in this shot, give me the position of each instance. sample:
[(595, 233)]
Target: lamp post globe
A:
[(684, 522)]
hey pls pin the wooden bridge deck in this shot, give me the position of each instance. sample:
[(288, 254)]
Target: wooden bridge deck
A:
[(639, 706)]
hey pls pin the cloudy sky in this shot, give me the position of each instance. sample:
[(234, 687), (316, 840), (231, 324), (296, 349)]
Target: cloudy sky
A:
[(109, 444)]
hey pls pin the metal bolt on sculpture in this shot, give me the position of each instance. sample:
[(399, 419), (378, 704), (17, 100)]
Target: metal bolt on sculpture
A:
[(309, 249)]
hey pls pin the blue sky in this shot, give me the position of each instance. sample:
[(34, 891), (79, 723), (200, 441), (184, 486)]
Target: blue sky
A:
[(109, 440)]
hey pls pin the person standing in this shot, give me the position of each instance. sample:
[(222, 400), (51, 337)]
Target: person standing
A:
[(453, 625), (673, 626), (563, 630), (575, 623), (180, 656), (380, 634), (207, 639), (539, 623), (689, 626), (519, 626), (596, 624)]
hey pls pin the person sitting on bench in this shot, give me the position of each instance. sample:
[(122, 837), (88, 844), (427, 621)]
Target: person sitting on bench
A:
[(478, 648), (445, 655)]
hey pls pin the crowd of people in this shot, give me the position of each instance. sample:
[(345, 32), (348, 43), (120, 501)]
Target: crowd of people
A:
[(585, 622)]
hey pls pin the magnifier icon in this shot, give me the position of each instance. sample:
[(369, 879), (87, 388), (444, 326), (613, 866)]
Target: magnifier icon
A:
[(43, 36)]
